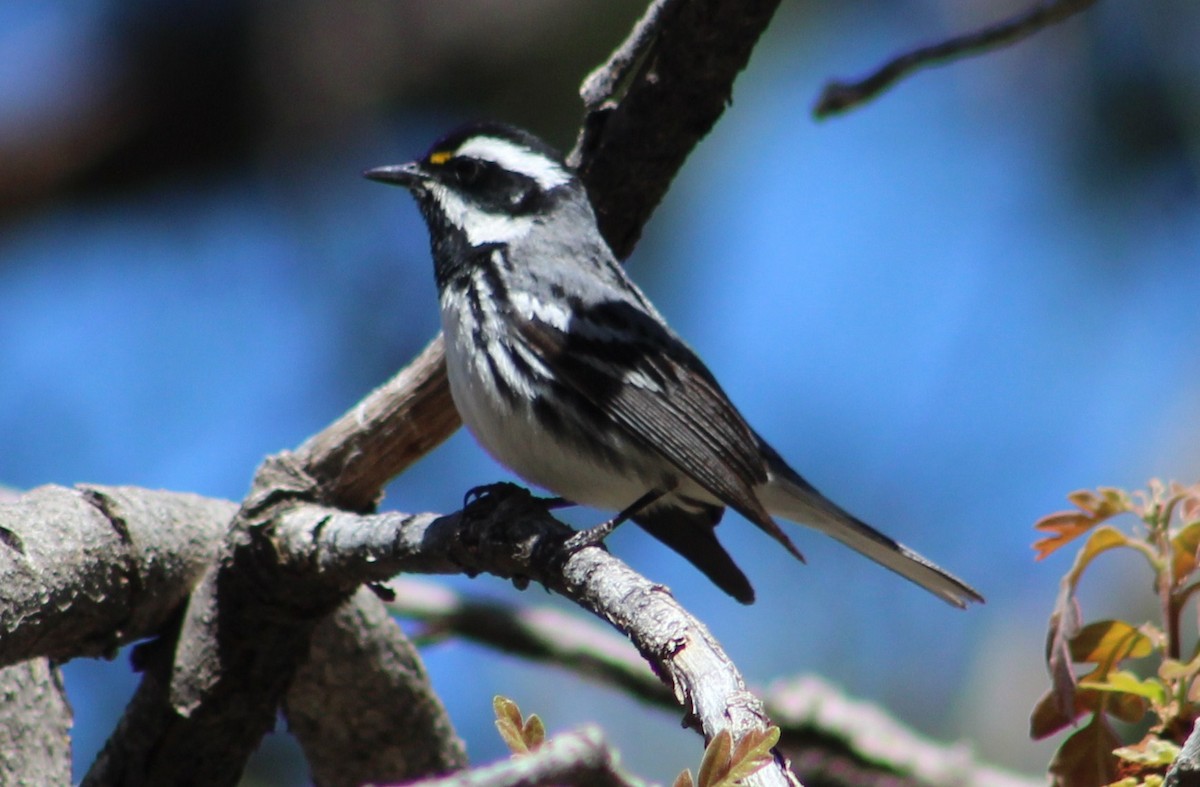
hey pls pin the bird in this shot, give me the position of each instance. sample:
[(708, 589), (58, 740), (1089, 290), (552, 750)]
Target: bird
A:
[(565, 373)]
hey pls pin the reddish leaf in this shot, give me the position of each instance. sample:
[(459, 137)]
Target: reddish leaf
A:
[(534, 732), (1127, 707), (1086, 758), (1069, 525), (1048, 719), (1064, 625), (1066, 525), (1106, 501), (752, 754)]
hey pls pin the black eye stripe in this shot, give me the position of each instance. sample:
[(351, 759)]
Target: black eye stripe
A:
[(466, 171)]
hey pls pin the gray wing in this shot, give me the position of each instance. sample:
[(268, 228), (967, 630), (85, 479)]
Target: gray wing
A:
[(648, 382)]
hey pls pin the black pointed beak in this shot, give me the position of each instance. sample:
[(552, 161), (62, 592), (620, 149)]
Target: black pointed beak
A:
[(407, 175)]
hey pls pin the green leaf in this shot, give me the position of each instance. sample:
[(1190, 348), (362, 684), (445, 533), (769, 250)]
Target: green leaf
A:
[(715, 762), (752, 754), (509, 724), (534, 732), (1101, 540), (1125, 682), (1171, 669), (1154, 752)]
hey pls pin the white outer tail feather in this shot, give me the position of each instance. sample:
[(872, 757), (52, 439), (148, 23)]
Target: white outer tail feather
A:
[(801, 503)]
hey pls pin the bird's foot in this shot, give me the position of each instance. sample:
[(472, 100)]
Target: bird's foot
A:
[(486, 497), (480, 500), (595, 536)]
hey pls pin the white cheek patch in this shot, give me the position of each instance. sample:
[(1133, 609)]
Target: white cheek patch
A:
[(516, 158), (480, 226)]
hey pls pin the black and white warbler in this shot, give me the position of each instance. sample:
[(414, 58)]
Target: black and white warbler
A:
[(565, 372)]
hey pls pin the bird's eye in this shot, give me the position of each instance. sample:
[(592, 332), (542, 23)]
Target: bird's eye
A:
[(467, 171)]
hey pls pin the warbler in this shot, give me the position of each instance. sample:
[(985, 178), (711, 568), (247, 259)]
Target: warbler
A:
[(566, 373)]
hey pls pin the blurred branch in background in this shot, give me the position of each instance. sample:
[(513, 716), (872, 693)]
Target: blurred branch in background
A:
[(826, 735), (838, 96)]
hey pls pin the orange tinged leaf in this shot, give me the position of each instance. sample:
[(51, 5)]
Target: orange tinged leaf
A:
[(1106, 501), (1095, 507), (1067, 525), (1183, 552), (1109, 641)]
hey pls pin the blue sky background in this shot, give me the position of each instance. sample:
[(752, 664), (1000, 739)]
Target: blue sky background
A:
[(948, 309)]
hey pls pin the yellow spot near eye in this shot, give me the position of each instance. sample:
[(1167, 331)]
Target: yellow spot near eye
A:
[(440, 157)]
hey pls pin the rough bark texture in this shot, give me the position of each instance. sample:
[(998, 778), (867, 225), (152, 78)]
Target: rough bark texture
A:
[(362, 684), (86, 570), (35, 724)]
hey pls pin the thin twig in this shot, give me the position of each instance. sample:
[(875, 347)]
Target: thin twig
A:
[(603, 83), (838, 96), (538, 633)]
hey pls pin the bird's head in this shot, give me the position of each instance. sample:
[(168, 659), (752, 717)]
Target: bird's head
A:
[(487, 182)]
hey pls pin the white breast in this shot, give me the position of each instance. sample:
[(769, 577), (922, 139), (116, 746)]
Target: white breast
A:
[(513, 436)]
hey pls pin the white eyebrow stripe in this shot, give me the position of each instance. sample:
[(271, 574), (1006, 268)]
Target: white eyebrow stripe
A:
[(516, 158)]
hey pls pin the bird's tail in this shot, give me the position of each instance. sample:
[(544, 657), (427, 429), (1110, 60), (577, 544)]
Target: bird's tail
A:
[(789, 496)]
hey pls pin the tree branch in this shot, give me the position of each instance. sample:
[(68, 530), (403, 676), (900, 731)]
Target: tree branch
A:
[(630, 149), (829, 737), (84, 571), (361, 685), (540, 633), (509, 534), (201, 710), (839, 96), (35, 724), (361, 705)]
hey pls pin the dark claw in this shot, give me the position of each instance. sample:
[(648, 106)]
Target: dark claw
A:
[(381, 590), (490, 493)]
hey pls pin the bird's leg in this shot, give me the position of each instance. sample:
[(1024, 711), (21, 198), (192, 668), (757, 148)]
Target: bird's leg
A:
[(595, 535)]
